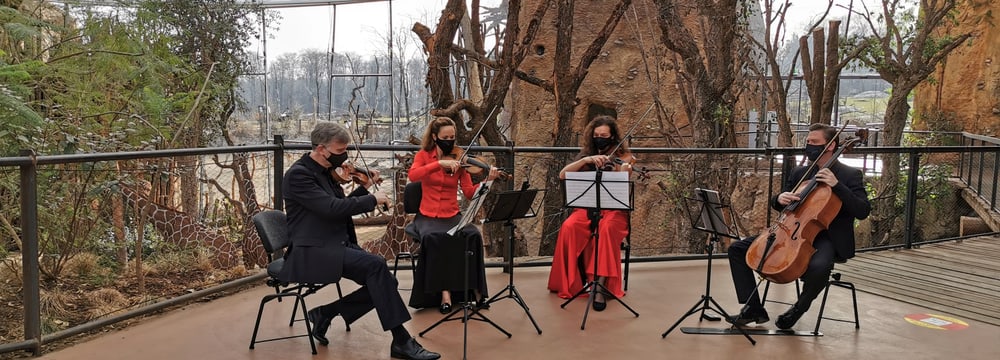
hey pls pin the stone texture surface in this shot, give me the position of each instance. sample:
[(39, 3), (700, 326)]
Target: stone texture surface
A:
[(967, 85)]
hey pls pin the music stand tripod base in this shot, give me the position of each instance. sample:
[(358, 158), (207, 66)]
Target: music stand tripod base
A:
[(751, 331), (511, 205), (709, 219)]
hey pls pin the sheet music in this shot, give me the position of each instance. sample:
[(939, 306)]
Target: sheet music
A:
[(614, 192), (469, 216), (712, 217)]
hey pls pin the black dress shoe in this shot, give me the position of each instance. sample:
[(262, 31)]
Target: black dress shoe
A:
[(411, 350), (789, 318), (750, 314), (445, 308), (319, 325), (483, 304), (600, 305)]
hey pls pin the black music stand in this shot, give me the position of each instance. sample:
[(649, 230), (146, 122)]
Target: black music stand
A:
[(710, 220), (468, 307), (586, 189), (512, 205)]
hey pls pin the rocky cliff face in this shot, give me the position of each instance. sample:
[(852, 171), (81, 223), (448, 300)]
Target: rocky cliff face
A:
[(965, 93), (632, 68)]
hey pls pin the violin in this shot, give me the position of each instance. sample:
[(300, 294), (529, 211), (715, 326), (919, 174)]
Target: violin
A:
[(347, 173), (471, 163), (782, 254)]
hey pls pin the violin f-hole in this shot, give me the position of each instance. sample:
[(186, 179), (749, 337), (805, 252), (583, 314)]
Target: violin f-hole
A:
[(795, 233)]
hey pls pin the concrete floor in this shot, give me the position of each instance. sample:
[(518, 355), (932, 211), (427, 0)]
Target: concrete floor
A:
[(660, 292)]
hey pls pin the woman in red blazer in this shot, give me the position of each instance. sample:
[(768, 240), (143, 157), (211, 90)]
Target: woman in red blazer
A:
[(440, 270)]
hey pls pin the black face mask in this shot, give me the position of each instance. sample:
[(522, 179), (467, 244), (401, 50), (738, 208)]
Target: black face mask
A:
[(602, 143), (445, 145), (814, 151), (337, 159)]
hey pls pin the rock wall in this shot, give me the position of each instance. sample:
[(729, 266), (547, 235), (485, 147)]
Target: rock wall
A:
[(631, 68), (966, 87)]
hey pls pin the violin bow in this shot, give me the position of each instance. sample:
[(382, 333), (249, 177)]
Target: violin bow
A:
[(357, 147), (630, 130), (479, 132)]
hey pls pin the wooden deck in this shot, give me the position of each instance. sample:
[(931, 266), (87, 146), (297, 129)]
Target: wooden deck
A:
[(960, 278)]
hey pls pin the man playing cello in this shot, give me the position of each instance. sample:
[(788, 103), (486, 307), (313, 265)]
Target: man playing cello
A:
[(834, 244)]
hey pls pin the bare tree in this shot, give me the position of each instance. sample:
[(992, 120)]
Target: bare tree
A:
[(479, 107), (706, 74), (821, 71), (775, 28), (905, 46)]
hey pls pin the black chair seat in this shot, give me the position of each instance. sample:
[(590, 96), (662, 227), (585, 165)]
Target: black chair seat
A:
[(274, 268), (411, 231)]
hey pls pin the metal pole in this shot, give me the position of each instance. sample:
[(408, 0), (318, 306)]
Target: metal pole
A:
[(29, 253), (993, 194), (911, 198), (279, 172)]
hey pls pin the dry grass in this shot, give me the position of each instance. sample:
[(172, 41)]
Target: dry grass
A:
[(54, 305), (179, 261), (105, 301), (84, 265)]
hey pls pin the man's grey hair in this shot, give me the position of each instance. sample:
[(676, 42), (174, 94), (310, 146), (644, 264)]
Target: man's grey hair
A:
[(324, 132)]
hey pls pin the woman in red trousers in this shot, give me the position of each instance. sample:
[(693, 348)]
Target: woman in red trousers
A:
[(574, 254)]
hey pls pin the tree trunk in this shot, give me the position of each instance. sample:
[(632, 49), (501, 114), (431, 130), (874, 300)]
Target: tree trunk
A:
[(565, 93), (884, 209)]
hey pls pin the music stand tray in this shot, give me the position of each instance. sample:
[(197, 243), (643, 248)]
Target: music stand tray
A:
[(709, 219), (596, 191), (512, 205)]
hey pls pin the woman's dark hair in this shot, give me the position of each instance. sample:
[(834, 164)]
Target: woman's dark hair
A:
[(587, 148), (427, 143)]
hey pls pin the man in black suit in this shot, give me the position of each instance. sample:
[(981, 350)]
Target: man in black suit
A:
[(325, 246), (834, 244)]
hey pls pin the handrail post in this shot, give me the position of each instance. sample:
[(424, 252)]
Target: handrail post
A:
[(993, 194), (911, 198), (279, 172), (29, 253)]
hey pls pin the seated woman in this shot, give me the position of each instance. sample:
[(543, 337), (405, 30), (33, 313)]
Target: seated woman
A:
[(574, 253), (440, 270)]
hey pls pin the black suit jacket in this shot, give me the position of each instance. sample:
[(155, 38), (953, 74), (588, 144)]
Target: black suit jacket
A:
[(319, 222), (851, 191)]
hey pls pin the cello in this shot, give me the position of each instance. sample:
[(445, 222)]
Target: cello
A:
[(782, 254)]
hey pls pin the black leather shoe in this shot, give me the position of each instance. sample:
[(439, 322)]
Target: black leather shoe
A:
[(750, 314), (445, 308), (319, 325), (483, 304), (600, 305), (411, 350), (789, 318)]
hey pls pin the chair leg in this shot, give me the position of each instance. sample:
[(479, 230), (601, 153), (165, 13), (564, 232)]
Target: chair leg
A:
[(628, 256), (340, 295), (256, 326), (295, 307), (854, 299), (835, 281), (260, 312), (767, 287), (822, 307), (312, 342)]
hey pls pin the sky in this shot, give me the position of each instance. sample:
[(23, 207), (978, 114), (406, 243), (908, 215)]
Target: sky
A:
[(358, 25)]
